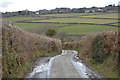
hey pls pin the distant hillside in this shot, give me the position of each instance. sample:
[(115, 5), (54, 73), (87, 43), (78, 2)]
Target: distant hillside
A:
[(100, 51), (109, 9), (20, 48)]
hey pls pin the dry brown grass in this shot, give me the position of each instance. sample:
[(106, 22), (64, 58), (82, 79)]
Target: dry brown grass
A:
[(20, 46), (71, 45), (110, 46)]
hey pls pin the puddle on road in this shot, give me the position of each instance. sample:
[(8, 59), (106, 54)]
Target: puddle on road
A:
[(42, 70), (81, 68), (39, 72)]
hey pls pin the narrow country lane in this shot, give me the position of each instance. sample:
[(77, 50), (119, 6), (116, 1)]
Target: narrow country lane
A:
[(62, 67), (65, 65)]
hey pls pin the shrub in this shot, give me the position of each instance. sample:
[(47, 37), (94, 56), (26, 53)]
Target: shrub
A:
[(21, 48), (97, 53), (51, 32)]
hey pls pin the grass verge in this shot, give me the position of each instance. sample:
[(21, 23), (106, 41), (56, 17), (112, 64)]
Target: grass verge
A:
[(107, 68)]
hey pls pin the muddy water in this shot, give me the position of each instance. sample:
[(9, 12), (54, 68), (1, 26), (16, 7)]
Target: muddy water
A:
[(40, 68), (82, 69)]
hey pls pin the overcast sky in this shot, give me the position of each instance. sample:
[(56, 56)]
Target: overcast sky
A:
[(33, 5)]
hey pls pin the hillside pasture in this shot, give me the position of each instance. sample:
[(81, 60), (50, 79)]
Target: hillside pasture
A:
[(77, 20), (39, 28), (39, 25), (67, 14), (13, 19), (68, 22), (85, 29), (103, 15), (115, 24)]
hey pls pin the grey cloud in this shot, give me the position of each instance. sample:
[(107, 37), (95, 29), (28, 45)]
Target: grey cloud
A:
[(5, 4)]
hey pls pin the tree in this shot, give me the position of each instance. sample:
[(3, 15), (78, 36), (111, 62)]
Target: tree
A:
[(51, 32)]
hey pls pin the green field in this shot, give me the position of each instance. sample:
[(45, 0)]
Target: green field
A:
[(68, 18), (77, 20), (72, 29), (21, 18), (67, 14), (38, 25), (115, 24), (114, 15), (85, 29)]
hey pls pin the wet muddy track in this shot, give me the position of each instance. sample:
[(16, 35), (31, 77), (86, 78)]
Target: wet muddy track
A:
[(65, 65)]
